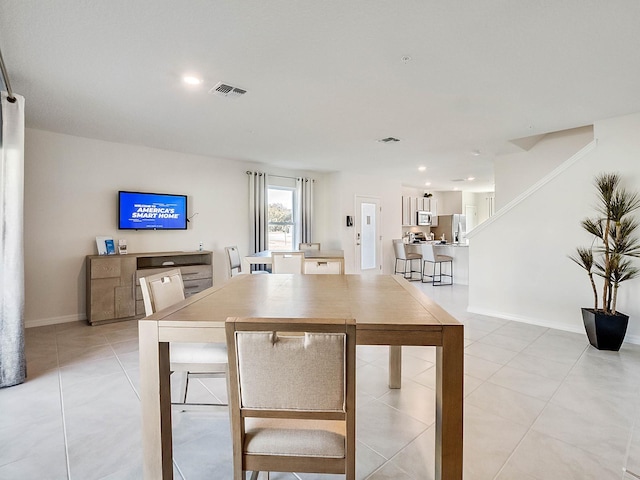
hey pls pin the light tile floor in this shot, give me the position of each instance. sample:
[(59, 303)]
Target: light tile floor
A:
[(540, 404)]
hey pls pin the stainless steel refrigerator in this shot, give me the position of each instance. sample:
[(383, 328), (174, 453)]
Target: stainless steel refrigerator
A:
[(454, 228)]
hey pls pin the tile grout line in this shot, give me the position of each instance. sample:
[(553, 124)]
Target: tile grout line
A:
[(62, 414), (634, 426), (126, 375), (530, 428)]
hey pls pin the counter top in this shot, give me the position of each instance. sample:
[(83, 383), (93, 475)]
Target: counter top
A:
[(437, 243)]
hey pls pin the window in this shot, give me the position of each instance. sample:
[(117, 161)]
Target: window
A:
[(282, 229)]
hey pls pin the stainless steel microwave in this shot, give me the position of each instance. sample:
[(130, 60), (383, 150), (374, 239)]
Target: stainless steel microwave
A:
[(423, 218)]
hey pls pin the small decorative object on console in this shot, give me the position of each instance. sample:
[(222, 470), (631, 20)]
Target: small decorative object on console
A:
[(122, 246), (111, 247), (101, 243)]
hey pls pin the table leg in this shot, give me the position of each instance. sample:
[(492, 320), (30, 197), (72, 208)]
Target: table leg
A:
[(395, 366), (449, 403), (155, 402)]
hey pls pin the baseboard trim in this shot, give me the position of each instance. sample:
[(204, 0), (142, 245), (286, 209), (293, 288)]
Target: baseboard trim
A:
[(635, 339), (42, 322)]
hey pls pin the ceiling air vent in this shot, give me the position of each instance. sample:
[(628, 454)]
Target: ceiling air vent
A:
[(224, 90), (389, 139), (457, 180)]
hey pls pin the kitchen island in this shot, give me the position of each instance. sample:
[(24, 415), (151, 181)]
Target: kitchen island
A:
[(459, 253)]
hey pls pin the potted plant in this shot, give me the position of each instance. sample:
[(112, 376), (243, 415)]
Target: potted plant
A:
[(610, 257)]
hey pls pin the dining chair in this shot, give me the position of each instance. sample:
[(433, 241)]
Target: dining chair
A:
[(429, 255), (322, 267), (292, 395), (308, 246), (235, 262), (201, 360), (400, 249), (285, 262)]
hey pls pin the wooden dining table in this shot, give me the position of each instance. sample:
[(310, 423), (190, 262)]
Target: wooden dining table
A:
[(387, 309)]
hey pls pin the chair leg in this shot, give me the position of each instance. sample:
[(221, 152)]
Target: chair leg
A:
[(184, 386), (437, 283), (254, 475), (395, 268), (184, 383)]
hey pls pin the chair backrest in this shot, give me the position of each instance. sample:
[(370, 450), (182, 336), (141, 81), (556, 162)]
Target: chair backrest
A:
[(283, 262), (289, 377), (399, 249), (308, 246), (235, 262), (161, 290), (428, 252)]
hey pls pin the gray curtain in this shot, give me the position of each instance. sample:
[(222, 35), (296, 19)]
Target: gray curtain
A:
[(258, 213), (13, 365), (304, 212)]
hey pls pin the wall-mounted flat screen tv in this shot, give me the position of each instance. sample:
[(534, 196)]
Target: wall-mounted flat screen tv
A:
[(151, 211)]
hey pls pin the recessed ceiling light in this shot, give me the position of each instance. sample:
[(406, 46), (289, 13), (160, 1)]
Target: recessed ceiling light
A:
[(456, 188), (422, 168), (476, 153), (427, 184), (471, 179), (191, 80)]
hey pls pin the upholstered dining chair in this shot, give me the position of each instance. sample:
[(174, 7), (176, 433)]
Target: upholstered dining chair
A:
[(402, 255), (292, 396), (209, 360), (429, 255), (308, 246), (284, 262)]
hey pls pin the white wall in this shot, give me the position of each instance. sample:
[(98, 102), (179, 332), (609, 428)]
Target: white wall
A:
[(518, 260), (449, 203), (71, 187), (517, 172)]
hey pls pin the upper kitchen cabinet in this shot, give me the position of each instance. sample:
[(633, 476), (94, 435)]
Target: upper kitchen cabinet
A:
[(412, 205), (408, 211)]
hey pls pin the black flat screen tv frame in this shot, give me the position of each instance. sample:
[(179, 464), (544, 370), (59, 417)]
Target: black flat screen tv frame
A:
[(186, 209)]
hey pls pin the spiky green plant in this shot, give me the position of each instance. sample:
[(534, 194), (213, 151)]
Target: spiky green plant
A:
[(614, 245)]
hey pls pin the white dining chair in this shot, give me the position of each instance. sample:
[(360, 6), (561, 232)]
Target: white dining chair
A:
[(285, 262), (190, 360), (235, 262), (308, 246)]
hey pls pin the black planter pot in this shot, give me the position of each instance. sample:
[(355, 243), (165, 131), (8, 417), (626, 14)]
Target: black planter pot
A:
[(605, 332)]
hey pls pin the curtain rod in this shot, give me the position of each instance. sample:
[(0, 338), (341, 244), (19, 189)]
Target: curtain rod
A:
[(5, 77), (249, 172)]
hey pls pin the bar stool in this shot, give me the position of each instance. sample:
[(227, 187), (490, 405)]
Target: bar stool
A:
[(430, 256), (401, 255)]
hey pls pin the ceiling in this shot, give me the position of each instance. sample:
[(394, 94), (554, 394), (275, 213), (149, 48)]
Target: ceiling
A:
[(326, 80)]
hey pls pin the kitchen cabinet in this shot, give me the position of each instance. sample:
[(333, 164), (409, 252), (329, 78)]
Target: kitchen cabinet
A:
[(412, 205), (434, 211), (113, 281), (408, 211)]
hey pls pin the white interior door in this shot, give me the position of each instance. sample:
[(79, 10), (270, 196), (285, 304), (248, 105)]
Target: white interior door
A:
[(368, 238)]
